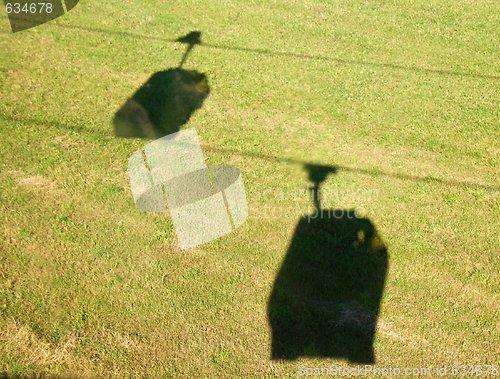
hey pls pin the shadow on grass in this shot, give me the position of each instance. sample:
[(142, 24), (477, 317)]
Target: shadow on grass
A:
[(165, 102), (326, 297), (339, 60), (81, 129)]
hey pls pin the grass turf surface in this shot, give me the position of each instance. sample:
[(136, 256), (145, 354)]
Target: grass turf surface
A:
[(398, 94)]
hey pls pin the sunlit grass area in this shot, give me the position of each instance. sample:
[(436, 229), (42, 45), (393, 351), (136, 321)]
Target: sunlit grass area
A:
[(400, 97)]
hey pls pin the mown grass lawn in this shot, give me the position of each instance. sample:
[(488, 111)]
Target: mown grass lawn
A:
[(401, 96)]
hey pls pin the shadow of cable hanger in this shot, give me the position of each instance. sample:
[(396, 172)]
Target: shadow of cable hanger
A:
[(191, 40), (286, 54), (166, 101)]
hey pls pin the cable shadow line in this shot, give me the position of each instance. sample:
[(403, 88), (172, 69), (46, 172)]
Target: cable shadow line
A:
[(361, 171), (51, 124), (274, 159), (392, 66)]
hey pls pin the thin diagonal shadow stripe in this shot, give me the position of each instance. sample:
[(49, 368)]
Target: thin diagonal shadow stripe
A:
[(272, 158), (361, 171), (290, 54), (51, 124)]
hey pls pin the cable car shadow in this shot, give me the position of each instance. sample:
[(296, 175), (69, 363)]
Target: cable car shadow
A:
[(165, 102), (326, 297)]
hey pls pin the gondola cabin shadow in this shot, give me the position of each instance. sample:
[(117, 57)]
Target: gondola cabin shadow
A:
[(166, 102), (326, 297)]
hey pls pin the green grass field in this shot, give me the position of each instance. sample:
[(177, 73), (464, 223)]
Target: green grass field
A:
[(401, 96)]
